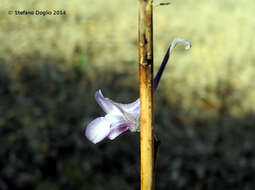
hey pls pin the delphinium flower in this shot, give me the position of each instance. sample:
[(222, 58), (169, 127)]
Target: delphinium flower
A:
[(119, 117)]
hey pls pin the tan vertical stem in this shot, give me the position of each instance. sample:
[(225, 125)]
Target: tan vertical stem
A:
[(145, 45)]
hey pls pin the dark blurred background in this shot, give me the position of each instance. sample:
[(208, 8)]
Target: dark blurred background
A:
[(51, 66)]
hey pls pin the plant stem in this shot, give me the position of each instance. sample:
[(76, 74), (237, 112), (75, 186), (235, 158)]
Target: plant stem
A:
[(145, 46)]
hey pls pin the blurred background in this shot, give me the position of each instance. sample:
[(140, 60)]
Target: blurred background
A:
[(51, 66)]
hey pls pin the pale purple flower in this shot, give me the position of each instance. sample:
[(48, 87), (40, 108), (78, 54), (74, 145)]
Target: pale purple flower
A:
[(121, 118)]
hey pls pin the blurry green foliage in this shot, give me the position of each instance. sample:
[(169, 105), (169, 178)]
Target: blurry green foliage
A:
[(44, 109)]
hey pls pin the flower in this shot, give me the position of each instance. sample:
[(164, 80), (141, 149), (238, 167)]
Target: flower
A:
[(121, 118)]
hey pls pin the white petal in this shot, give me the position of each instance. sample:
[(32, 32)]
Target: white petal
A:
[(132, 107), (97, 130), (113, 118), (130, 111), (118, 128), (106, 104)]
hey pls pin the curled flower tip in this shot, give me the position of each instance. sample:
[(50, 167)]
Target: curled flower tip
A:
[(167, 56), (180, 40)]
